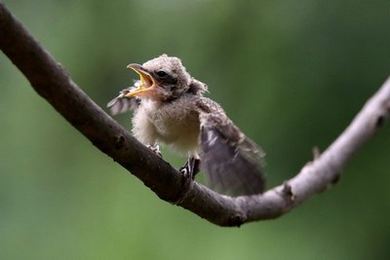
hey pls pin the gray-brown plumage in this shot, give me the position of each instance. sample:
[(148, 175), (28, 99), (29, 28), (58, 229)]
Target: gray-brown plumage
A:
[(169, 107)]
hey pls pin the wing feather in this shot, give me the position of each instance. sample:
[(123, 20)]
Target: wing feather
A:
[(122, 104), (233, 162)]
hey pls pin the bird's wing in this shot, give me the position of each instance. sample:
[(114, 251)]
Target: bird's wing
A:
[(122, 104), (233, 162)]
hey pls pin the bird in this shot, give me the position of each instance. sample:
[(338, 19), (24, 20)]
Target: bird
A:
[(170, 107)]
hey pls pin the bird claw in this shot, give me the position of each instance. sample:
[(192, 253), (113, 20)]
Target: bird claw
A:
[(187, 183), (156, 149), (186, 171), (191, 168)]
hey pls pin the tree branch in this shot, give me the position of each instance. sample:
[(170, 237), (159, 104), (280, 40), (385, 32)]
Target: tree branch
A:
[(52, 82)]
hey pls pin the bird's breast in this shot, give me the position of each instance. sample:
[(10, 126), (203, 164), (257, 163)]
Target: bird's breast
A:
[(176, 124)]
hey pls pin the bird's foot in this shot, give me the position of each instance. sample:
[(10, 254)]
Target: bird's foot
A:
[(185, 171), (156, 149), (191, 168)]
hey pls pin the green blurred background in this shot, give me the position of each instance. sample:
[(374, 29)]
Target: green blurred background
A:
[(291, 74)]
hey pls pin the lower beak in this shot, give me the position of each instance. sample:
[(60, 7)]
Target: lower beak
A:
[(147, 82)]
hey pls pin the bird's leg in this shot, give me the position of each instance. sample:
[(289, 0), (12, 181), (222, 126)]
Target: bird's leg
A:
[(156, 149), (191, 168), (196, 166)]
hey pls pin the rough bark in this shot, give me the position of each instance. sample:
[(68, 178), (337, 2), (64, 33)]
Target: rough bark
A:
[(52, 82)]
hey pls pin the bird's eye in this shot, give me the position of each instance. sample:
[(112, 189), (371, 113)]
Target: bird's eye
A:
[(161, 74)]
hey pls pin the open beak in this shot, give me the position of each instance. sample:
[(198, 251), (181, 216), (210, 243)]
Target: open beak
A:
[(147, 82)]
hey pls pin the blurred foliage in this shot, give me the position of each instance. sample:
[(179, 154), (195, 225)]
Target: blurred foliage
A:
[(291, 74)]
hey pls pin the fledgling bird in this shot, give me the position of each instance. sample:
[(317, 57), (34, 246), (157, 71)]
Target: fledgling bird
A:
[(169, 107)]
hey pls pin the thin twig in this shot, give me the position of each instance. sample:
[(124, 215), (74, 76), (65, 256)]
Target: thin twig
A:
[(52, 82)]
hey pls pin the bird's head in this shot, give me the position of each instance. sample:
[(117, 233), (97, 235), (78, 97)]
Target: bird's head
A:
[(164, 78)]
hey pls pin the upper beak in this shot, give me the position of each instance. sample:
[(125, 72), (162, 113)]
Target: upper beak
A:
[(147, 81)]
